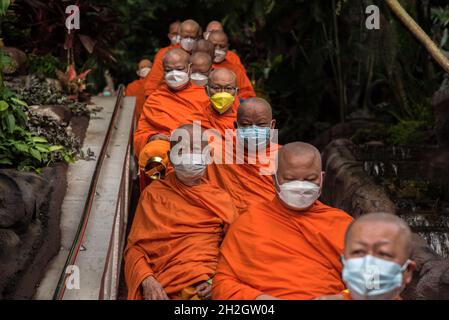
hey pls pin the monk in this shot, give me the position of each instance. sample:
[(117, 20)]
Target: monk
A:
[(170, 105), (206, 47), (180, 222), (136, 88), (188, 32), (201, 67), (214, 25), (217, 26), (219, 113), (290, 247), (246, 172), (173, 32), (221, 60), (377, 246)]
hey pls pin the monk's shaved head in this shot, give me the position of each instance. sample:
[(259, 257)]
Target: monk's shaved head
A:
[(144, 63), (189, 135), (175, 56), (254, 105), (174, 27), (201, 62), (223, 77), (298, 161), (299, 152), (205, 46), (378, 227), (218, 38), (189, 28), (214, 26)]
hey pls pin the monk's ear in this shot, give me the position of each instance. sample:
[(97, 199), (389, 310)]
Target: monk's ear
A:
[(408, 274), (273, 124)]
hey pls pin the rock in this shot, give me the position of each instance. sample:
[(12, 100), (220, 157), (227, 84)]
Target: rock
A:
[(60, 114), (345, 176), (440, 104), (19, 60), (348, 187)]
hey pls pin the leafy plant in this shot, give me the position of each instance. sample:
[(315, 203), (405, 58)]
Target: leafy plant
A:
[(18, 146), (46, 65)]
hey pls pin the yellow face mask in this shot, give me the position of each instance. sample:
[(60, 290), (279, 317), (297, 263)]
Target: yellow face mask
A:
[(222, 101)]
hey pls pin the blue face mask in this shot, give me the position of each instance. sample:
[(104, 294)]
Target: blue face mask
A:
[(254, 135), (371, 278)]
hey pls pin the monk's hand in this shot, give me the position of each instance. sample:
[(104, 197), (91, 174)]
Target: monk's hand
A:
[(159, 136), (204, 291), (335, 297), (152, 290)]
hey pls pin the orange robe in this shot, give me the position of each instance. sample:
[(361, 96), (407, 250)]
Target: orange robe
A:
[(210, 119), (165, 110), (176, 235), (156, 75), (286, 254), (246, 89), (136, 89), (233, 57), (248, 182)]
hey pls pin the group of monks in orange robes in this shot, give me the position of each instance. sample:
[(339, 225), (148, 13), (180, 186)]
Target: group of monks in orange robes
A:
[(219, 221)]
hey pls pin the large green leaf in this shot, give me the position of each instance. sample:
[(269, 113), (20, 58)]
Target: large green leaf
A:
[(10, 123), (39, 140), (3, 106), (36, 154), (55, 148), (4, 4), (19, 102), (22, 147)]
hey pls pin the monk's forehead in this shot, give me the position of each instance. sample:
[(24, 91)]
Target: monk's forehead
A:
[(251, 107), (218, 37), (174, 27), (214, 25), (372, 232), (222, 76), (289, 160), (177, 58), (189, 26), (144, 63)]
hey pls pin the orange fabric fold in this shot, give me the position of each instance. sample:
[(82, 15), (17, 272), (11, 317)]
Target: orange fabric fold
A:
[(136, 89), (280, 252), (248, 181), (156, 76), (246, 89), (165, 110), (176, 235)]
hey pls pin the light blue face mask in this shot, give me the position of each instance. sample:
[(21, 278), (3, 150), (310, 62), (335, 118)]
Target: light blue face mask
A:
[(254, 135), (371, 278)]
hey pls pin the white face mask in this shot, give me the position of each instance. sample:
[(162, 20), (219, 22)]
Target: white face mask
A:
[(220, 55), (143, 72), (199, 79), (175, 39), (189, 167), (188, 44), (298, 195), (176, 79)]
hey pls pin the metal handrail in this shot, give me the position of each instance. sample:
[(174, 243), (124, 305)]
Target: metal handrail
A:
[(76, 245)]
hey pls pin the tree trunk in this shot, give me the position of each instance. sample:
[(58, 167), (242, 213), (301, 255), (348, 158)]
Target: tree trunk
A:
[(419, 33)]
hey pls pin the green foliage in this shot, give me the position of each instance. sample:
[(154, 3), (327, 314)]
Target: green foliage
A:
[(44, 65), (19, 147), (4, 4), (407, 132)]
